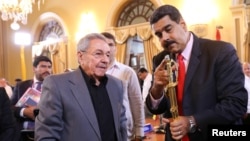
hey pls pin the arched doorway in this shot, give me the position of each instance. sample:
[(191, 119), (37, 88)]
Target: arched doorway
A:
[(130, 21), (52, 42)]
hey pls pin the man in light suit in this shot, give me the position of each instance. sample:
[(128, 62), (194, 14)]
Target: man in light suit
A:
[(132, 98), (214, 83), (85, 104)]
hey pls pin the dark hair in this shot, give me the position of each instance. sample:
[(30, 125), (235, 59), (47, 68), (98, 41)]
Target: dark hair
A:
[(39, 59), (142, 70), (108, 35), (164, 10)]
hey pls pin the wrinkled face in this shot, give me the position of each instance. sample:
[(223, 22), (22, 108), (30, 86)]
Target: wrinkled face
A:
[(246, 69), (112, 46), (94, 61), (42, 70), (173, 36)]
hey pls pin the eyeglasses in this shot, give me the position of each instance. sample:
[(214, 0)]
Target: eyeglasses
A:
[(98, 54)]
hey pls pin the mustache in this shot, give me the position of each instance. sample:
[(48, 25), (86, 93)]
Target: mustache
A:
[(168, 43), (48, 73)]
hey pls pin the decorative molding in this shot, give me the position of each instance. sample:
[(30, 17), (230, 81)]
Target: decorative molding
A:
[(200, 30)]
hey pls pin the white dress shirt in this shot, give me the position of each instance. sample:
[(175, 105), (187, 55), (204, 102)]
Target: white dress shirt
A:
[(8, 90), (132, 98), (146, 86)]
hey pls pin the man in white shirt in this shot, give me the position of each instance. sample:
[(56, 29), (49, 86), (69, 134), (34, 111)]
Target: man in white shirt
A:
[(246, 70), (146, 77), (132, 96)]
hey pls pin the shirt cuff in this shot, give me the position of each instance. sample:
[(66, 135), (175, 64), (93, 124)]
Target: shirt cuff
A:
[(139, 132), (155, 102), (21, 112)]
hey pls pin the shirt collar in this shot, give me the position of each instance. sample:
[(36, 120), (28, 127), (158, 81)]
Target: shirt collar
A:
[(114, 65), (35, 80), (186, 53)]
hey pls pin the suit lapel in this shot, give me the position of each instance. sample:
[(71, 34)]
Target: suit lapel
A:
[(193, 63), (82, 96), (113, 96)]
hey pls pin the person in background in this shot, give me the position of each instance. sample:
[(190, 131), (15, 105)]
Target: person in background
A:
[(85, 104), (246, 71), (146, 77), (213, 88), (7, 121), (132, 96), (8, 88), (42, 67)]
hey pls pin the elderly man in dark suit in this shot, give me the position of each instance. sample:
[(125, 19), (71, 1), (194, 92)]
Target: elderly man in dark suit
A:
[(85, 104), (7, 121), (214, 83), (42, 67)]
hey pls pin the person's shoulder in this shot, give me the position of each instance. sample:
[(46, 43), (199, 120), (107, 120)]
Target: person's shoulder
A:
[(25, 82), (112, 78), (149, 74), (124, 67), (214, 43), (61, 76)]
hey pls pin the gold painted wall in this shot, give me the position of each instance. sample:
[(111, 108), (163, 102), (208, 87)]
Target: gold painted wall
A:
[(70, 12)]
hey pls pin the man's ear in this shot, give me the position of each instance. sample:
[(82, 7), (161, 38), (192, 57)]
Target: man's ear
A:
[(79, 55), (34, 69), (183, 24)]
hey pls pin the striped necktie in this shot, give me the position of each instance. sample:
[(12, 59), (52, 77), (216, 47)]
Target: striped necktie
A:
[(39, 85)]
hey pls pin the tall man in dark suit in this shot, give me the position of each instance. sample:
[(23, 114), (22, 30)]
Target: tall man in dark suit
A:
[(7, 121), (85, 104), (42, 67), (214, 83)]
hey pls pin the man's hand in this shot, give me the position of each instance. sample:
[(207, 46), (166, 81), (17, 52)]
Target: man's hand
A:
[(29, 111), (179, 127), (160, 80)]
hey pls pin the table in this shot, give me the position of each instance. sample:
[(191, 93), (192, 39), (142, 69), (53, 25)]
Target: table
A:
[(152, 136)]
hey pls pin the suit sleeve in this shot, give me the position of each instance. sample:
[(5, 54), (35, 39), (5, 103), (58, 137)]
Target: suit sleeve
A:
[(164, 105), (49, 122), (231, 96), (123, 118)]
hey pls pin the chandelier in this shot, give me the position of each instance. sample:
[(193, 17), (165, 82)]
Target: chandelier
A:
[(17, 10)]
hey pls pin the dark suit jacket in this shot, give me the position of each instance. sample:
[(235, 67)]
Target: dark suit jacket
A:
[(7, 122), (19, 90), (214, 90), (67, 113)]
